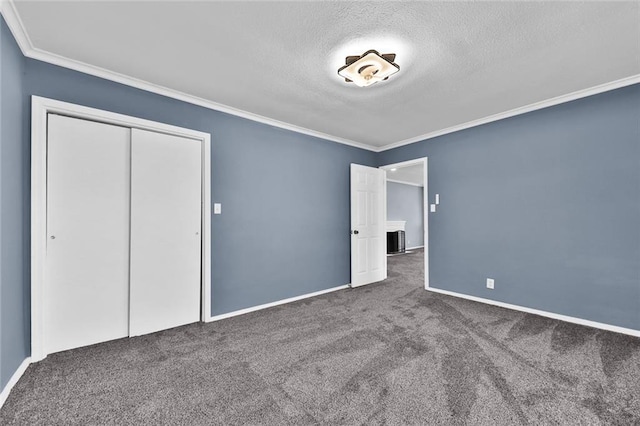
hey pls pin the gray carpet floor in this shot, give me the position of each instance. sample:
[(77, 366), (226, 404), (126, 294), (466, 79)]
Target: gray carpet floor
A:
[(388, 353)]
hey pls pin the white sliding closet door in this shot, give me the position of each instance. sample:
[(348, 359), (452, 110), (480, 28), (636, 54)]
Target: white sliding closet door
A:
[(86, 295), (165, 231)]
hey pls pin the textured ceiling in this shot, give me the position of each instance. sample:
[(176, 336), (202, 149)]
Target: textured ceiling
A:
[(458, 61)]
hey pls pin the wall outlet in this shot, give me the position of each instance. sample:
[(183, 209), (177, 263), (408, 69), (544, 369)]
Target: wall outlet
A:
[(490, 283)]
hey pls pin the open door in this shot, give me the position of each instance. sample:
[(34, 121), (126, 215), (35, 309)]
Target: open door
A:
[(368, 237)]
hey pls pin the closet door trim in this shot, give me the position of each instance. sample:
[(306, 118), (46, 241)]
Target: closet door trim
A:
[(40, 109)]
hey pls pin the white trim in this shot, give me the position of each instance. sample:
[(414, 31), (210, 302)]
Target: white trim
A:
[(396, 225), (425, 201), (413, 248), (40, 107), (426, 222), (38, 225), (277, 303), (552, 315), (404, 183), (13, 380), (617, 84), (206, 229), (384, 218), (7, 8), (19, 32), (403, 164)]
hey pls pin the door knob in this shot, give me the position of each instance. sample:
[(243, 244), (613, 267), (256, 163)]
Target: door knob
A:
[(356, 232), (53, 237)]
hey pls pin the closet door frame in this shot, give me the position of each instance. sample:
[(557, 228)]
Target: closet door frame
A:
[(40, 108)]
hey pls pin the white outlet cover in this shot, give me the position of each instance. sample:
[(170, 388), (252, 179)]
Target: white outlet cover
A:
[(437, 199), (490, 283), (217, 208), (433, 208)]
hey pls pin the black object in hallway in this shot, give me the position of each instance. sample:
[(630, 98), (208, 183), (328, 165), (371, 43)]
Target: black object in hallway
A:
[(395, 242)]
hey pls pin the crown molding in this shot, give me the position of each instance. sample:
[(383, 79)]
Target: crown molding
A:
[(404, 182), (8, 10), (617, 84), (10, 14)]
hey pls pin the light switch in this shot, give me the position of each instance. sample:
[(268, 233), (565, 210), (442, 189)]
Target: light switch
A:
[(217, 208), (437, 199), (433, 208)]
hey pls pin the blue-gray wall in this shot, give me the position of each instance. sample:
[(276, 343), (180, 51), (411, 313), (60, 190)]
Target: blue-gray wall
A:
[(14, 210), (284, 228), (546, 203), (405, 202)]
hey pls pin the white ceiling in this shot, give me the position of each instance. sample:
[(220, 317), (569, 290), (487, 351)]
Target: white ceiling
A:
[(459, 61), (413, 175)]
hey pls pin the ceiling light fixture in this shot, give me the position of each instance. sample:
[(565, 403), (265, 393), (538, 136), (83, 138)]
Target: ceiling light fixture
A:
[(369, 68)]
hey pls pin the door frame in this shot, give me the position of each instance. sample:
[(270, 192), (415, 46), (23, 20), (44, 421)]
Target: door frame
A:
[(40, 108), (425, 201)]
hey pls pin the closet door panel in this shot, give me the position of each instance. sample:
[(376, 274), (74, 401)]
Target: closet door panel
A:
[(86, 294), (165, 231)]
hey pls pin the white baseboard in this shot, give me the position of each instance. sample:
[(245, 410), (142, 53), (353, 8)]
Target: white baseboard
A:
[(272, 304), (560, 317), (13, 380), (413, 248)]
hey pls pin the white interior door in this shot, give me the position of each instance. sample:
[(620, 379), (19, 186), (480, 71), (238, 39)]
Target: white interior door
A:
[(86, 292), (165, 231), (368, 236)]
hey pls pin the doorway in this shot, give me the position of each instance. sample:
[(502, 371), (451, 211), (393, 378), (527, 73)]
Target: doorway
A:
[(407, 219)]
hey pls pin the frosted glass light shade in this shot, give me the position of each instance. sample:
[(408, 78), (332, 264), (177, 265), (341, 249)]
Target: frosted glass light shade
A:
[(369, 69)]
